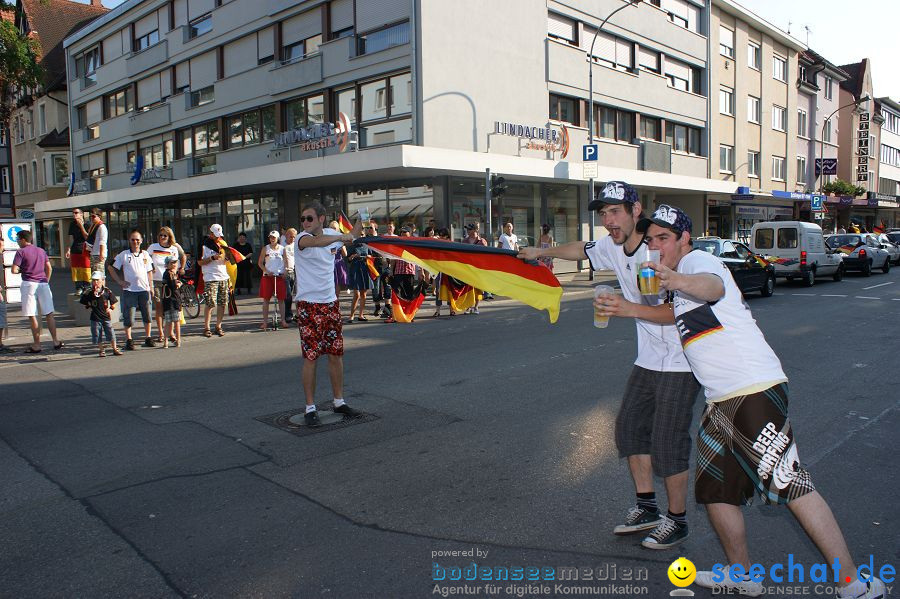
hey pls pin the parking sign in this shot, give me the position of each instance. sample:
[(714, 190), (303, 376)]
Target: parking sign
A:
[(817, 201), (589, 152)]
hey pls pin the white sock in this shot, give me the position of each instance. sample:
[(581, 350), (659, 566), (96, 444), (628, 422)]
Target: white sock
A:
[(311, 408), (338, 402)]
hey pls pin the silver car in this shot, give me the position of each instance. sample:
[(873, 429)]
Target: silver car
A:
[(891, 243), (862, 252)]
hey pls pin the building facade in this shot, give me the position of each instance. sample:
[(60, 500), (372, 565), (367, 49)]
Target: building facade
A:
[(889, 160)]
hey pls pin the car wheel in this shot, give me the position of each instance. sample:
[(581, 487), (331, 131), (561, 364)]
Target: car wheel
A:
[(768, 287), (809, 278), (867, 270), (839, 273), (887, 266)]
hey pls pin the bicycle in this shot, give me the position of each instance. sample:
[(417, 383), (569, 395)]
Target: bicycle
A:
[(190, 301)]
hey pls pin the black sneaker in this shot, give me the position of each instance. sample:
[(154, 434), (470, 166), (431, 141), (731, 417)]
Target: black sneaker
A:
[(347, 411), (129, 344), (376, 310), (312, 418), (148, 342), (638, 519), (667, 534)]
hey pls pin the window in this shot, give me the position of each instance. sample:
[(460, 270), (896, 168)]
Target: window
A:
[(787, 238), (615, 124), (650, 128), (201, 142), (726, 42), (754, 109), (22, 183), (562, 29), (891, 122), (802, 73), (251, 127), (754, 55), (680, 13), (42, 118), (158, 155), (683, 138), (801, 123), (384, 99), (779, 68), (118, 103), (648, 60), (826, 131), (147, 40), (753, 163), (801, 170), (3, 140), (382, 39), (86, 66), (30, 119), (726, 101), (890, 155), (563, 109), (203, 96), (778, 168), (683, 76), (199, 26), (4, 180), (303, 112), (779, 117), (609, 50), (301, 49), (829, 87), (765, 239), (726, 159), (34, 175), (60, 165)]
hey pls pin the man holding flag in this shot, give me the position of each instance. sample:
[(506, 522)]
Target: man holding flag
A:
[(318, 313)]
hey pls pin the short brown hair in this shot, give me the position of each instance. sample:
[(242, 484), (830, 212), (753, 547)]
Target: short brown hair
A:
[(317, 207)]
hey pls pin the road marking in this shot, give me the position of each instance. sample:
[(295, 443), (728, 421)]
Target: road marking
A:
[(879, 285), (866, 297), (830, 295), (805, 294), (895, 299)]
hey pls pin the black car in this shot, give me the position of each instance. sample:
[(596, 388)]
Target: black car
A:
[(750, 272)]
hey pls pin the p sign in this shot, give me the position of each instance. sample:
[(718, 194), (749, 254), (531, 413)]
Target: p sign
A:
[(816, 202), (589, 152)]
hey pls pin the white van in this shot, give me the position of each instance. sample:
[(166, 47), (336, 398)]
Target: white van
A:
[(797, 249)]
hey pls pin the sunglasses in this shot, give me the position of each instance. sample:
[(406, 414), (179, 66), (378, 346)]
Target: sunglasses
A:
[(163, 235), (135, 241), (307, 219)]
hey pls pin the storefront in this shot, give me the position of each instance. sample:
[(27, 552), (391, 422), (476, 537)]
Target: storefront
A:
[(733, 217)]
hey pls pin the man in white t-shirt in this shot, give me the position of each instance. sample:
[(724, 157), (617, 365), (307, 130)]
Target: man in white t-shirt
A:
[(290, 275), (98, 241), (136, 280), (215, 279), (653, 424), (745, 444), (318, 313), (509, 240)]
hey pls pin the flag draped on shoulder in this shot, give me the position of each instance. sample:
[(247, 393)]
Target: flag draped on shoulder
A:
[(495, 270)]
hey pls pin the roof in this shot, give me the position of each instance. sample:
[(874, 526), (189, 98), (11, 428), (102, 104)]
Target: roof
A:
[(854, 81), (890, 103), (815, 58), (50, 21), (55, 139), (757, 22)]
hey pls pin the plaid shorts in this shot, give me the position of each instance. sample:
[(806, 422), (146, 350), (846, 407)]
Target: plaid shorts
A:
[(216, 293), (655, 418), (320, 329), (171, 316), (746, 445)]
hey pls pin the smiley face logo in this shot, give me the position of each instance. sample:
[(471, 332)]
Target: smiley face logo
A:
[(682, 572)]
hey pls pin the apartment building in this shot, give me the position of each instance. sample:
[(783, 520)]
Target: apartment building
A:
[(753, 127), (7, 205), (40, 123), (189, 112), (888, 193)]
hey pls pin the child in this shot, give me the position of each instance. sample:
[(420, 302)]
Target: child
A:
[(171, 302), (100, 300)]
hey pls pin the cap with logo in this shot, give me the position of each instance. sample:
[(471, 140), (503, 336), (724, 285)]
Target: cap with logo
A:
[(97, 275), (216, 230), (471, 226), (668, 217), (274, 234), (614, 192), (170, 259)]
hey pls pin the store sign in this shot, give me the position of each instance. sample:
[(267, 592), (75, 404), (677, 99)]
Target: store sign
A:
[(862, 148), (883, 199), (317, 136), (826, 166), (541, 138), (792, 195)]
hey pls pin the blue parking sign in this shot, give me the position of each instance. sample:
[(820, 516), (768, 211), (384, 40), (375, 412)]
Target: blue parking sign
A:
[(589, 152), (816, 201)]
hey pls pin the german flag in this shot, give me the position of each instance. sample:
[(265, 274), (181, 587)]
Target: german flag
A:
[(406, 300), (81, 267), (879, 229), (460, 296), (344, 224), (849, 248), (762, 261), (370, 264), (491, 269)]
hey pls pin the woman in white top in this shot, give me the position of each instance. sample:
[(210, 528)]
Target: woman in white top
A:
[(272, 263), (166, 247)]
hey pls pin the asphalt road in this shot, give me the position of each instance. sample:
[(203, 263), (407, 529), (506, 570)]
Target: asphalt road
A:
[(151, 475)]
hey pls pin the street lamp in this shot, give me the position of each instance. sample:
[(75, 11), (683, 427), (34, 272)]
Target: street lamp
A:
[(822, 147), (591, 106)]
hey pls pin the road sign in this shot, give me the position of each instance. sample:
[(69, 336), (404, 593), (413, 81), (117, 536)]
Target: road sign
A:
[(590, 170), (589, 152), (817, 202)]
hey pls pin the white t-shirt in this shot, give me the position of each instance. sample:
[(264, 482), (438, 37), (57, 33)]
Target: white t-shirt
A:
[(215, 270), (289, 256), (659, 346), (725, 348), (314, 268), (159, 254), (274, 260), (508, 242), (134, 269), (101, 239)]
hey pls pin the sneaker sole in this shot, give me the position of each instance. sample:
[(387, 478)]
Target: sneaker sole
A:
[(623, 529), (660, 546)]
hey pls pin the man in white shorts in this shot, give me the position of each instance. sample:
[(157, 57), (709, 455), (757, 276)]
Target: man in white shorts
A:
[(34, 266)]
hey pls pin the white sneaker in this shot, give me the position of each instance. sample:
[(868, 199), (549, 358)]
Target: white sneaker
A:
[(874, 589), (745, 587)]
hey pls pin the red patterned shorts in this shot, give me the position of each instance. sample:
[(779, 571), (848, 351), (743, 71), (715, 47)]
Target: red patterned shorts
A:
[(320, 329)]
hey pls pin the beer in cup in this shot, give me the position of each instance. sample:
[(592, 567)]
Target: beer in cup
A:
[(601, 320), (648, 282)]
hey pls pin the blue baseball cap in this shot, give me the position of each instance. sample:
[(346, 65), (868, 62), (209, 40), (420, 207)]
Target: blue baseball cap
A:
[(668, 217), (614, 192)]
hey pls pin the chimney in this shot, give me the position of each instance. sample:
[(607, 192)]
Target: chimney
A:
[(97, 3)]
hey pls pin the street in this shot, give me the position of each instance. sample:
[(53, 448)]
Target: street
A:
[(157, 474)]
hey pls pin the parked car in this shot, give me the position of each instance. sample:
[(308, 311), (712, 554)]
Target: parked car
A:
[(862, 252), (749, 272), (891, 245), (797, 249)]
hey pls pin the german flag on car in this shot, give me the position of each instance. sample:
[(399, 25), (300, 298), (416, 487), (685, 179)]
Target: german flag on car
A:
[(495, 270)]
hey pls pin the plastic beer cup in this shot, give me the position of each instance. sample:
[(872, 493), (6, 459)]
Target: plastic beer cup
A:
[(648, 282), (601, 321)]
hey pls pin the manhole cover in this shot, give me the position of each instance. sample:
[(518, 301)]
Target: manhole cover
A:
[(291, 420)]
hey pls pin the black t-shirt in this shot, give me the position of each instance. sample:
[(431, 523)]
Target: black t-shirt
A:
[(99, 303), (171, 300), (77, 238)]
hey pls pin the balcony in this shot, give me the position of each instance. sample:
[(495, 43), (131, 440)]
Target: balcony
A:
[(295, 75), (138, 62), (156, 117)]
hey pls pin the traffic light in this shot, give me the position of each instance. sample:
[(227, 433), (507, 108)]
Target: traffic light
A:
[(498, 186)]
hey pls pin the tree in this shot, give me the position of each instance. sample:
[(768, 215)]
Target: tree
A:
[(843, 188), (19, 66)]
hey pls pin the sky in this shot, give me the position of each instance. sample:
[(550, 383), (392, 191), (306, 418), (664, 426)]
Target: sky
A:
[(841, 31)]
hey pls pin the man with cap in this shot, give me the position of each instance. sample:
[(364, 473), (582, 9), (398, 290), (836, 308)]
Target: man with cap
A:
[(653, 424), (746, 443), (215, 279), (473, 237)]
